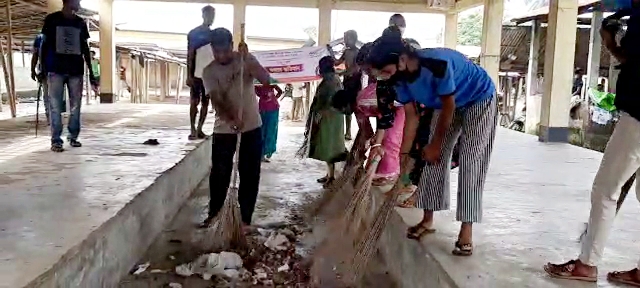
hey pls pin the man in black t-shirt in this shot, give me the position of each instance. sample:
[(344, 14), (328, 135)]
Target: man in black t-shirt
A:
[(621, 157), (66, 51)]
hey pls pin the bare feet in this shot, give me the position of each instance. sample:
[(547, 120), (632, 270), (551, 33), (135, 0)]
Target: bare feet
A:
[(572, 270)]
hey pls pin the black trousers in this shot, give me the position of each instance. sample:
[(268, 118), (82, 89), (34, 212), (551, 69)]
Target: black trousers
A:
[(223, 149)]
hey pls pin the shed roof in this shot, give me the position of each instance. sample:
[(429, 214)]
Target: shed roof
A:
[(542, 13), (27, 17)]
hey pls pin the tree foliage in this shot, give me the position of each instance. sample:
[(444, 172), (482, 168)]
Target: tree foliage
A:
[(470, 30)]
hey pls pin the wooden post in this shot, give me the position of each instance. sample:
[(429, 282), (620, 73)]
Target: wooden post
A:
[(10, 60), (156, 71), (24, 63), (5, 72), (179, 83), (146, 80)]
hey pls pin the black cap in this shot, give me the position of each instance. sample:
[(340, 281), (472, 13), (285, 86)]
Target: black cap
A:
[(221, 38)]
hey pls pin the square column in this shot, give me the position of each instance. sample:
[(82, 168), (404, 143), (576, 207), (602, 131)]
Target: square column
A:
[(558, 71), (595, 48), (108, 70), (451, 30), (491, 38), (534, 93), (324, 21), (239, 12)]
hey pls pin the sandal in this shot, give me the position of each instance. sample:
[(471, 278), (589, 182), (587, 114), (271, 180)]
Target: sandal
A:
[(567, 271), (323, 179), (201, 135), (57, 148), (192, 137), (418, 231), (75, 143), (625, 277), (462, 249), (328, 183)]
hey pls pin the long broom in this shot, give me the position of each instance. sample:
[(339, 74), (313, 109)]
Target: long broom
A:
[(368, 244), (354, 163), (349, 224), (623, 194), (229, 228)]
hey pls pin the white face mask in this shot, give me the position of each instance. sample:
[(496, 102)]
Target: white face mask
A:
[(401, 30)]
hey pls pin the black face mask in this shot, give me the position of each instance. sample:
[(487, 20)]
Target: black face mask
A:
[(408, 76)]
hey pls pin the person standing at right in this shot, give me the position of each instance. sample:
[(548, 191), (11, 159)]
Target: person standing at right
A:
[(621, 157), (199, 55), (66, 51)]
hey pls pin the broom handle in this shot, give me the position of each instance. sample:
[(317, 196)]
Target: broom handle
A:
[(234, 177)]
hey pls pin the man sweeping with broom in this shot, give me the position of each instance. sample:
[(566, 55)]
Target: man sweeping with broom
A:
[(228, 81)]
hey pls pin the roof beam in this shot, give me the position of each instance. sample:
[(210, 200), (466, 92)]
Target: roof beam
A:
[(463, 5), (338, 5)]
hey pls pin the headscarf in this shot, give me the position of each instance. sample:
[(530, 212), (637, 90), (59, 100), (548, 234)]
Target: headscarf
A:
[(363, 54), (387, 48), (326, 65)]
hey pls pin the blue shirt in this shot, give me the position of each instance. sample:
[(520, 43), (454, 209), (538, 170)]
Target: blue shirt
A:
[(446, 72), (198, 37)]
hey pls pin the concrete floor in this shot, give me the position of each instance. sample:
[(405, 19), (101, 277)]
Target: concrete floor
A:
[(535, 204), (51, 202)]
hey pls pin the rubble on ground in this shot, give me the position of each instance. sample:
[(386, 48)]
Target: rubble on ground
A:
[(273, 259)]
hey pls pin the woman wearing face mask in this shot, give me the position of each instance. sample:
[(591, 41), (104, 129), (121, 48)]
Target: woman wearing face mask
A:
[(463, 96)]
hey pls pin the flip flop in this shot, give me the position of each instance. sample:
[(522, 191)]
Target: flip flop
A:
[(567, 271), (192, 137), (201, 135), (419, 231), (619, 277), (462, 249)]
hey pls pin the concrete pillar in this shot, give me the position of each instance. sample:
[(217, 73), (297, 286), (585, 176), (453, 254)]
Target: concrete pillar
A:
[(107, 52), (54, 5), (534, 97), (491, 38), (451, 30), (595, 47), (558, 71), (239, 12), (324, 21)]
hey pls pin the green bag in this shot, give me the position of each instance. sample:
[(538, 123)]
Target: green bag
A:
[(603, 100)]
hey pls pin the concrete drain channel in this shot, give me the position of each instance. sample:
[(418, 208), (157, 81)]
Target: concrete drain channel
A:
[(399, 262)]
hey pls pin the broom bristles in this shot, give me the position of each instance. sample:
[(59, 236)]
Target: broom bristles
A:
[(367, 246), (230, 222)]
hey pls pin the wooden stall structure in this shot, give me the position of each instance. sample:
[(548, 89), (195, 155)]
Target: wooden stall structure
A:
[(20, 22), (150, 72)]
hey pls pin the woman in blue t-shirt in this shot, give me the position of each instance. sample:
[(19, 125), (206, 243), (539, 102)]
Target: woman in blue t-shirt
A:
[(462, 95)]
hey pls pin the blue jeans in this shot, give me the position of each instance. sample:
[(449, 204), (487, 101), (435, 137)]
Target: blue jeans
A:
[(55, 87)]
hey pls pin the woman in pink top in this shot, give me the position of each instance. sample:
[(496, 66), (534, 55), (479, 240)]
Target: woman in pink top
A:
[(269, 112)]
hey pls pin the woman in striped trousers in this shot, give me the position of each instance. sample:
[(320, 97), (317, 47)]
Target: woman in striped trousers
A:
[(463, 96)]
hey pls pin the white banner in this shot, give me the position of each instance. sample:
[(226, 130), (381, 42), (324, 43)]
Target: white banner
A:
[(292, 65)]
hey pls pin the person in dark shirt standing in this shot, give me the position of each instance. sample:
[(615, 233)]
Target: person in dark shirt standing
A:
[(65, 50), (198, 40), (577, 82), (621, 157)]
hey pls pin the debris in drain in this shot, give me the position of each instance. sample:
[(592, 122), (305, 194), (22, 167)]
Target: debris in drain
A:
[(277, 242), (141, 268), (175, 285), (212, 264)]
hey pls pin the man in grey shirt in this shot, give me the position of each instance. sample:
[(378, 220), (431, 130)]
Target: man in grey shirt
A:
[(236, 106)]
